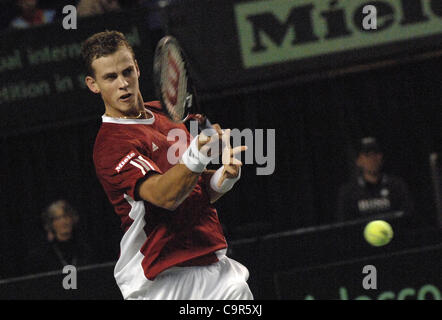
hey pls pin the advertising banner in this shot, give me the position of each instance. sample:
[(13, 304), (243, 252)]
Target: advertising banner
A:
[(42, 73), (237, 43), (407, 275), (231, 45)]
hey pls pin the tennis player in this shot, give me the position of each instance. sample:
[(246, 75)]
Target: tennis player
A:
[(173, 245)]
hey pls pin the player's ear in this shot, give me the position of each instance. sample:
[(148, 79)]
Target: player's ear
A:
[(92, 84), (138, 69)]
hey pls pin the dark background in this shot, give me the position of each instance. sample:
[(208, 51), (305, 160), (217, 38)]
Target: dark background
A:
[(318, 122)]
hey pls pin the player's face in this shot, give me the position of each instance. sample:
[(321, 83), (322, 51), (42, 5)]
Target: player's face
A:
[(370, 161), (116, 79)]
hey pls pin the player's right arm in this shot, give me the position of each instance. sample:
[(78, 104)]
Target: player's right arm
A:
[(170, 189)]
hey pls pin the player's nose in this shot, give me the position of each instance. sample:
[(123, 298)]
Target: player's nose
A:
[(123, 83)]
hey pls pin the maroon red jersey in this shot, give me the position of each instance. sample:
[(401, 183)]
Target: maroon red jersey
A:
[(128, 150)]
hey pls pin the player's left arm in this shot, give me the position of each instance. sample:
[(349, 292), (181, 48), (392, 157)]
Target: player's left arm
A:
[(220, 181), (207, 176)]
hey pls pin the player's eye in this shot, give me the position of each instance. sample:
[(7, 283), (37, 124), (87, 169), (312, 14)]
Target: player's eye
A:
[(111, 76), (128, 71)]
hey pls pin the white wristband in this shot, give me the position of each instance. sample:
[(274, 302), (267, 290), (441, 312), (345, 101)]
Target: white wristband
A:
[(227, 183), (193, 159)]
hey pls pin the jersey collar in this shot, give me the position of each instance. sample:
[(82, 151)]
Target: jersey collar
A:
[(151, 120)]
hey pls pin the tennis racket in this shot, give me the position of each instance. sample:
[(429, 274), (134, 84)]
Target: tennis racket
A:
[(174, 87)]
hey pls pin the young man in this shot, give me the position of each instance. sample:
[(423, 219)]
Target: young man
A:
[(173, 245), (373, 192)]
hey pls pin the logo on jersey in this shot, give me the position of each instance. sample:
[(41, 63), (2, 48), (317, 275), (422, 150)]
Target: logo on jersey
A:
[(374, 204), (125, 160), (154, 147)]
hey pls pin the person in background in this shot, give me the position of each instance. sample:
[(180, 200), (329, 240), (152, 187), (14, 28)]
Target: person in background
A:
[(372, 192), (63, 246), (31, 15), (58, 6), (87, 8)]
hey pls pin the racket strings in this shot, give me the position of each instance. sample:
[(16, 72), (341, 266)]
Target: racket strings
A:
[(174, 83)]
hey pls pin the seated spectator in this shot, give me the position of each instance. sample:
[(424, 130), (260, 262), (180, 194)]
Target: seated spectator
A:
[(31, 15), (94, 7), (372, 191), (58, 6), (63, 246)]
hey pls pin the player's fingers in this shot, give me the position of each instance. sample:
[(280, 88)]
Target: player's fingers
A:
[(216, 142), (232, 171), (226, 136), (236, 162), (218, 129), (238, 149), (229, 154), (202, 140), (232, 163)]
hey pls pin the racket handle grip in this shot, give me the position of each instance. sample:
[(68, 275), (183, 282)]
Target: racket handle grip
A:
[(207, 128)]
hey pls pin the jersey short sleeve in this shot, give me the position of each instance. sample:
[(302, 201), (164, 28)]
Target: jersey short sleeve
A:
[(121, 167)]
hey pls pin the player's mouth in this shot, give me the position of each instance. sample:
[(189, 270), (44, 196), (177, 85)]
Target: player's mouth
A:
[(126, 97)]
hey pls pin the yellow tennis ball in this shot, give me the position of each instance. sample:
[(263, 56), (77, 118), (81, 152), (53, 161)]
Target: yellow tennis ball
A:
[(378, 233)]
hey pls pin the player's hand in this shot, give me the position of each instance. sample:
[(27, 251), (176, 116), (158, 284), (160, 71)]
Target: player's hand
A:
[(211, 145), (231, 165)]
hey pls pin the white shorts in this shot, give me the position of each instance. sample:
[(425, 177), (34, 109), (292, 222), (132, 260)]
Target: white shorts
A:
[(223, 280)]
